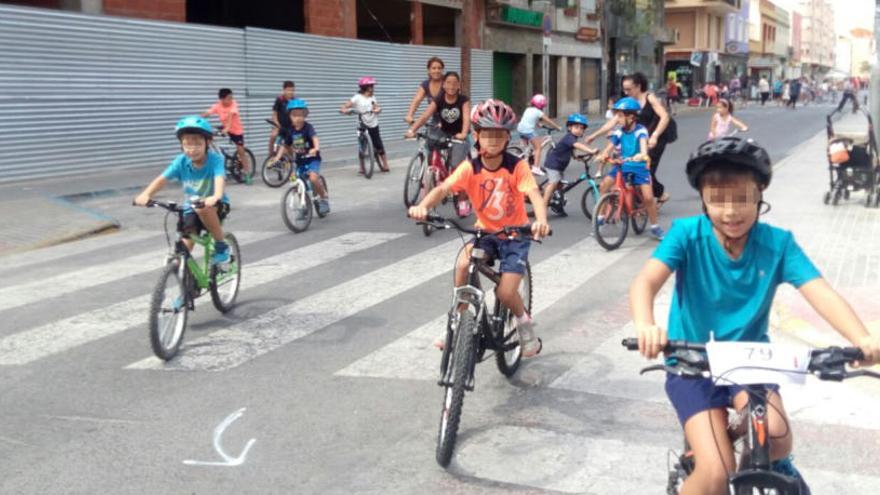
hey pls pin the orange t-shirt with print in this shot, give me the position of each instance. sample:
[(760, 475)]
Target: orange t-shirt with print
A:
[(229, 117), (498, 196)]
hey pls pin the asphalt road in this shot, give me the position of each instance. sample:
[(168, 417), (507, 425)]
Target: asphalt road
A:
[(327, 355)]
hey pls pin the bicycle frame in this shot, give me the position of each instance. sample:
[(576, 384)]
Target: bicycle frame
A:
[(627, 192), (199, 270)]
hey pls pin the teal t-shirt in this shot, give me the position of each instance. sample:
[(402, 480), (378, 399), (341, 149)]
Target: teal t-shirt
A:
[(728, 298), (196, 181)]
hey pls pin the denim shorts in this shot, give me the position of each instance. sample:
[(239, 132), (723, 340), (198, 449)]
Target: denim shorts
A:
[(690, 396), (304, 167), (641, 175), (513, 253), (527, 136)]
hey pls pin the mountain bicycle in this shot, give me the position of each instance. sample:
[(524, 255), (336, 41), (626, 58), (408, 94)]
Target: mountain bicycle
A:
[(475, 331), (276, 172), (233, 165), (589, 198), (748, 428), (185, 278), (616, 209), (423, 174), (300, 198)]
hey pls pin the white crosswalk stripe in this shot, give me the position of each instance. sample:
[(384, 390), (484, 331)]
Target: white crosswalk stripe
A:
[(45, 255), (233, 346), (65, 283), (413, 357), (37, 343)]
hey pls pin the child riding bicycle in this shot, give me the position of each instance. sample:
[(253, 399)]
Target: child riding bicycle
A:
[(528, 124), (368, 108), (727, 266), (558, 158), (306, 147), (630, 141), (226, 109), (203, 176), (496, 183)]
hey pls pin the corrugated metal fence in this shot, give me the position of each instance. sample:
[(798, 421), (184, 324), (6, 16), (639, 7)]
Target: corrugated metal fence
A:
[(82, 93)]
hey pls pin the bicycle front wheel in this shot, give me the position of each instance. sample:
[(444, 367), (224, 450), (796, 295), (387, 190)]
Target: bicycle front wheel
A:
[(463, 356), (366, 157), (226, 281), (168, 311), (427, 228), (276, 173), (508, 359), (296, 209), (610, 221), (412, 188), (589, 200)]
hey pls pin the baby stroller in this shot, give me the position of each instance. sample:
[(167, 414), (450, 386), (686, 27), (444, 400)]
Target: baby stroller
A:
[(852, 164)]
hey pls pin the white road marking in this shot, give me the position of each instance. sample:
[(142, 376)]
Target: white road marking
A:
[(65, 283), (37, 343), (235, 345), (413, 355), (228, 460), (52, 253)]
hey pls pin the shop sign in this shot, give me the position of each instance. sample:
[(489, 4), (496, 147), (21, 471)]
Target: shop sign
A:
[(696, 58), (587, 34)]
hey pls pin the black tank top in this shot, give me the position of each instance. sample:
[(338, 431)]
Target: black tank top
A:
[(648, 117)]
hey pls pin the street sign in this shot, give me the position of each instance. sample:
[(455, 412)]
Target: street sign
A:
[(547, 26)]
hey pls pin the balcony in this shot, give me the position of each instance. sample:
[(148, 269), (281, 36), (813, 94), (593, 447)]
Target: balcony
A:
[(664, 35), (718, 7)]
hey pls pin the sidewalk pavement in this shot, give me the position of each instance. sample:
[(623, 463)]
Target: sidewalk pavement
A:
[(843, 241)]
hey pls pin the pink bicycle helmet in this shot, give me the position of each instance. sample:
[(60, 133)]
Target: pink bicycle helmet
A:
[(493, 114), (539, 101), (366, 81)]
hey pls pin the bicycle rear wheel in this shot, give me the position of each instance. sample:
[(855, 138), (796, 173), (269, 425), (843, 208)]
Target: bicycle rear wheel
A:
[(639, 218), (508, 361), (296, 208), (366, 157), (611, 229), (463, 355), (276, 173), (589, 200), (226, 281), (168, 311), (412, 188)]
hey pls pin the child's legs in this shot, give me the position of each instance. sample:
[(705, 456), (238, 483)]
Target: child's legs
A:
[(315, 179), (549, 187), (513, 256), (706, 433), (650, 202), (242, 157), (211, 220), (461, 269), (536, 146), (507, 292), (272, 136), (780, 435)]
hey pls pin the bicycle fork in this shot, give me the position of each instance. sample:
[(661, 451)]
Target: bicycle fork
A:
[(472, 297)]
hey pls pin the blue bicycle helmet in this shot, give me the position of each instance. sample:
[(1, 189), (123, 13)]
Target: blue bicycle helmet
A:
[(577, 118), (297, 104), (193, 124), (627, 104)]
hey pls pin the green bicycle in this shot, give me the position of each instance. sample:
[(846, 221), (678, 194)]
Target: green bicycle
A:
[(185, 278)]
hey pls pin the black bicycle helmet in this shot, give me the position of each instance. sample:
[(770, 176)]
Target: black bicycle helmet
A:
[(733, 150)]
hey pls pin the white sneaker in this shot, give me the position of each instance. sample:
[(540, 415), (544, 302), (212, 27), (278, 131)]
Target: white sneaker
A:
[(531, 345)]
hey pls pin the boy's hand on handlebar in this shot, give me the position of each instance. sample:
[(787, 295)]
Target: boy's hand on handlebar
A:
[(211, 201), (142, 200), (870, 346), (460, 136), (408, 119), (540, 229), (418, 213), (409, 134), (652, 340)]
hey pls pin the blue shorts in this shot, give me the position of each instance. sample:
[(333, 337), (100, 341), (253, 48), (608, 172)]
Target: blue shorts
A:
[(513, 253), (304, 167), (641, 174), (690, 396), (527, 136)]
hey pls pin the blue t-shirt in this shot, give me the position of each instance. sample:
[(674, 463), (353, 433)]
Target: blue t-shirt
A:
[(559, 156), (730, 298), (196, 181), (302, 141), (627, 144)]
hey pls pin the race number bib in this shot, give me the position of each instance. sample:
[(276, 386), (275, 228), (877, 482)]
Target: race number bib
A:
[(753, 363)]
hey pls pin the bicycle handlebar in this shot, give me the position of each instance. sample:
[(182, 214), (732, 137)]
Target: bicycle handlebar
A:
[(273, 124), (170, 205), (827, 364), (445, 223)]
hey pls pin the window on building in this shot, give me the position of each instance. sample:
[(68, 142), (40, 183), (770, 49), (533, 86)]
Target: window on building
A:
[(256, 13)]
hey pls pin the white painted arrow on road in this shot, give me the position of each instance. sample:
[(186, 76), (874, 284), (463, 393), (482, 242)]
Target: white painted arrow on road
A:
[(228, 460)]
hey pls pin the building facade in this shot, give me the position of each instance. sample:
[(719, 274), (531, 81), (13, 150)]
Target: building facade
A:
[(700, 53), (862, 53), (517, 31), (636, 35), (769, 36), (818, 38)]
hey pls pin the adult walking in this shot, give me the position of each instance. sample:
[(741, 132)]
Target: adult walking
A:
[(430, 87), (654, 117), (764, 89), (795, 92), (848, 94)]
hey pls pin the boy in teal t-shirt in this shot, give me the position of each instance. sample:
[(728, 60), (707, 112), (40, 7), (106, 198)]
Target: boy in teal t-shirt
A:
[(727, 267)]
